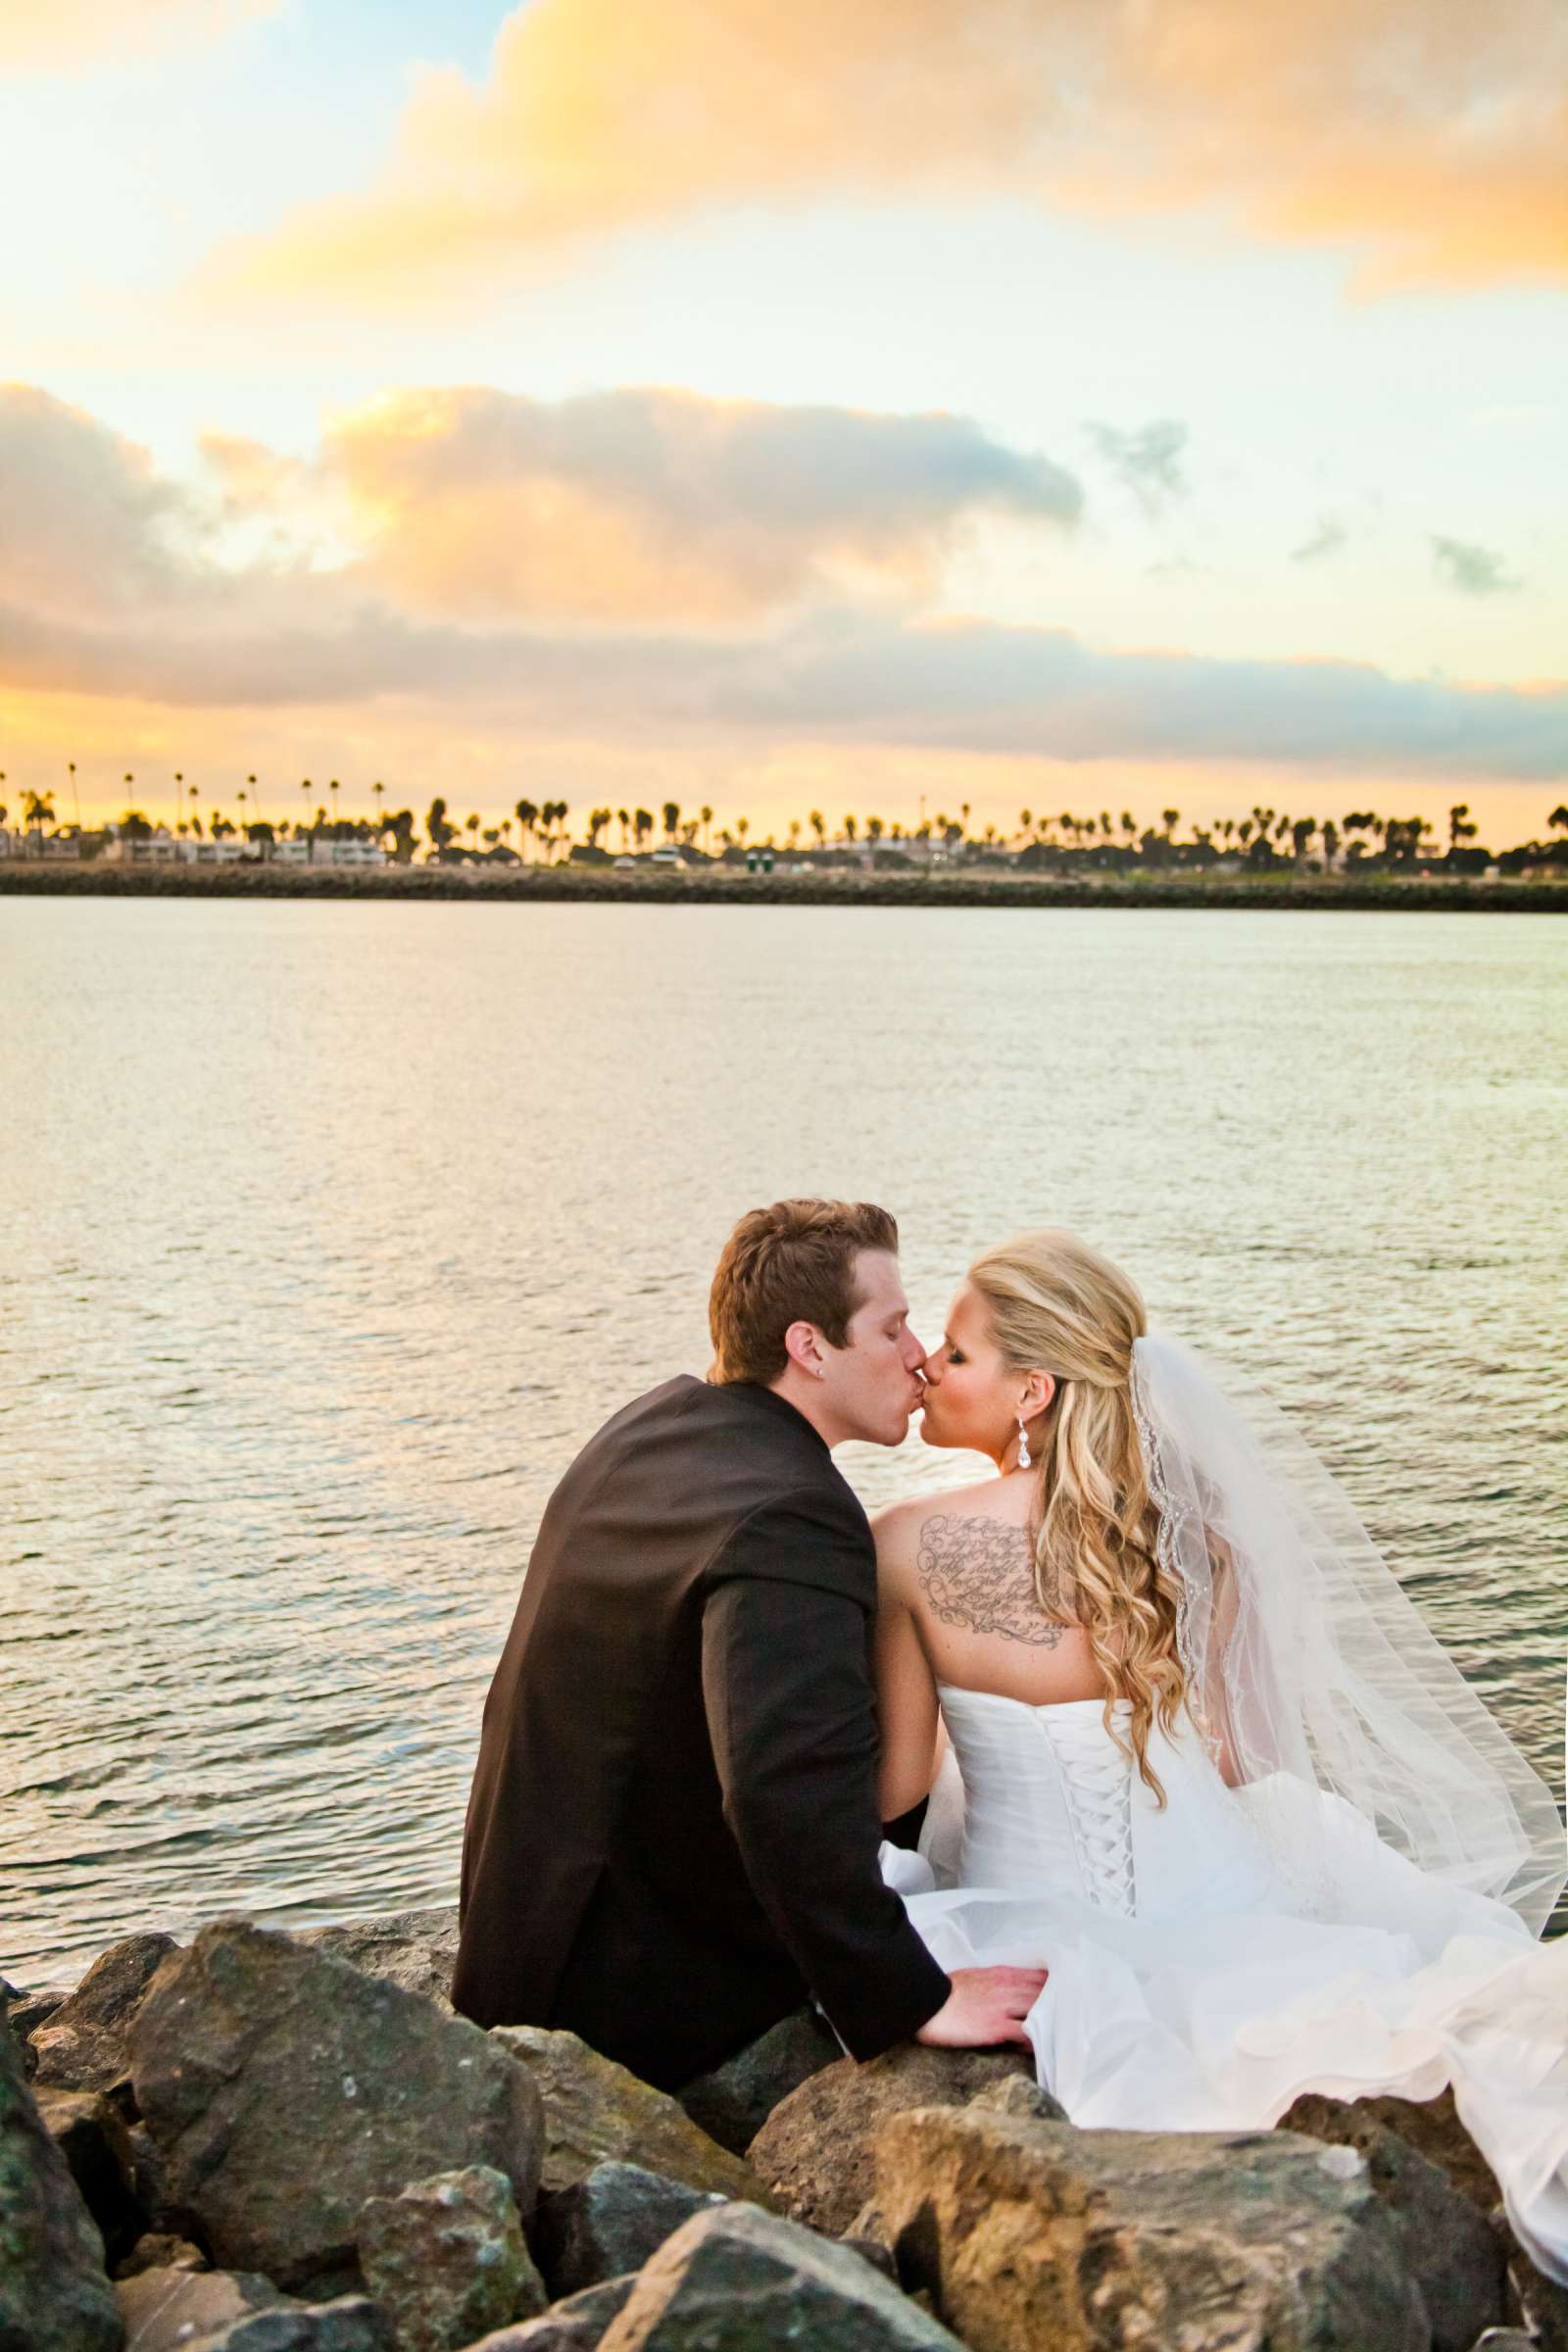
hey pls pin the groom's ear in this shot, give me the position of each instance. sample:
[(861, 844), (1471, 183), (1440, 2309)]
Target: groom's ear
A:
[(803, 1345)]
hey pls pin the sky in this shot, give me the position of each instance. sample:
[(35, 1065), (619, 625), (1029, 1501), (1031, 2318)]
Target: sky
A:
[(879, 406)]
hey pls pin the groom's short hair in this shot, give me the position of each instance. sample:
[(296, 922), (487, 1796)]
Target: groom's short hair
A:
[(791, 1263)]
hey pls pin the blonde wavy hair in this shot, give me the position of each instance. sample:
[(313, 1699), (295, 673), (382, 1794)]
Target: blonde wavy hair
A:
[(1056, 1306)]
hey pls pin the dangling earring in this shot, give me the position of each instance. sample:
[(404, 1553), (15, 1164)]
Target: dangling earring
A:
[(1023, 1445)]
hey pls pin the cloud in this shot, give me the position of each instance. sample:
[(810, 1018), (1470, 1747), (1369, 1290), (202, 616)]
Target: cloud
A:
[(633, 503), (1326, 540), (89, 524), (1148, 462), (74, 33), (117, 582), (1424, 137), (1473, 571)]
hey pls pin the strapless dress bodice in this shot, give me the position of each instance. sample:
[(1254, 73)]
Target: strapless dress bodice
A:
[(1054, 1806)]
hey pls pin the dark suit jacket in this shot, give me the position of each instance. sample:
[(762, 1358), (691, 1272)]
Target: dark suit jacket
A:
[(672, 1840)]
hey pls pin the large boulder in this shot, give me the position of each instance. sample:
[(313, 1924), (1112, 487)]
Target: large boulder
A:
[(284, 2089), (595, 2110), (1028, 2232), (91, 2136), (1431, 2127), (83, 2043), (733, 2102), (815, 2152), (575, 2325), (609, 2223), (54, 2293), (416, 1949), (738, 2278), (228, 2311), (446, 2260), (1450, 2248)]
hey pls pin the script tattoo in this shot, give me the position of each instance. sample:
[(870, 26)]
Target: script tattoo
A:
[(979, 1573)]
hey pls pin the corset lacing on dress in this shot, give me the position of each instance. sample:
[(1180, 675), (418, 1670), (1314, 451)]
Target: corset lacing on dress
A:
[(1097, 1779)]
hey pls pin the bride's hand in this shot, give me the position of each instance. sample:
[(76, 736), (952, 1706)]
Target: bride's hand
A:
[(986, 2006)]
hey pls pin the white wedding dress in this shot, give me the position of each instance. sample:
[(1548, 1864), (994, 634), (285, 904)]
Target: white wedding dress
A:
[(1200, 1978)]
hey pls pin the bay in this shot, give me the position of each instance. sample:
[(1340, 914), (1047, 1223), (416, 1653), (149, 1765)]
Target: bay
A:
[(332, 1229)]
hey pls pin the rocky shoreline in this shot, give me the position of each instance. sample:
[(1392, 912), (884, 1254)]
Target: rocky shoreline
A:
[(261, 2143), (711, 886)]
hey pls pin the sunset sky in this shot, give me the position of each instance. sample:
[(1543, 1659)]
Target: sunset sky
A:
[(1065, 404)]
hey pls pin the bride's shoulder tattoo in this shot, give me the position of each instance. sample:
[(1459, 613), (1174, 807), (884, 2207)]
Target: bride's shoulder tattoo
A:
[(980, 1572)]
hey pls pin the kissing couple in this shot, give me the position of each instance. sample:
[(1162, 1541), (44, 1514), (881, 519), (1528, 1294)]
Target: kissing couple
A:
[(1133, 1753)]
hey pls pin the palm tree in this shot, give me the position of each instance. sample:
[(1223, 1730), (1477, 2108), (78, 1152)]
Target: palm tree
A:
[(671, 817), (819, 824), (743, 825), (527, 815), (1556, 823), (850, 830), (1105, 826), (642, 824), (39, 811), (1025, 822), (1129, 824), (623, 821), (707, 815), (242, 811), (795, 832), (474, 832), (256, 798), (332, 789), (1170, 818), (305, 787), (378, 790), (874, 830)]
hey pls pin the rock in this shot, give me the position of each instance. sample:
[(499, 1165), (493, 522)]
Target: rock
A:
[(609, 2223), (1032, 2234), (1020, 2094), (597, 2111), (874, 2251), (25, 2012), (54, 2295), (446, 2260), (733, 2102), (1450, 2249), (738, 2278), (284, 2089), (83, 2044), (815, 2152), (1539, 2303), (164, 2216), (166, 2309), (416, 1949), (231, 2311), (156, 2251), (574, 2325), (91, 2136), (1431, 2127)]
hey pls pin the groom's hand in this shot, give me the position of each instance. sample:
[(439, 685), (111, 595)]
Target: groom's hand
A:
[(986, 2005)]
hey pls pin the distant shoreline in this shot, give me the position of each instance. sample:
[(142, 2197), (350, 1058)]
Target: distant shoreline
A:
[(695, 886)]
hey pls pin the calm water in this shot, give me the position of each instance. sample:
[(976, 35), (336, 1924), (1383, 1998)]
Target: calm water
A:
[(332, 1231)]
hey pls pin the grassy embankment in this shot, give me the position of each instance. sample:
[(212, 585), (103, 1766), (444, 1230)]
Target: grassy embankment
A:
[(714, 885)]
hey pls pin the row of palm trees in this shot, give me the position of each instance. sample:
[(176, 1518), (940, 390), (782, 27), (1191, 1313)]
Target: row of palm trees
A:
[(542, 832)]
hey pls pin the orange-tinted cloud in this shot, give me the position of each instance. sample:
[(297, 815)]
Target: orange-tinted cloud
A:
[(1428, 136), (632, 506), (74, 33)]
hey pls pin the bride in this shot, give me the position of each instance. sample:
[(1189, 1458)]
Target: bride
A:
[(1189, 1747)]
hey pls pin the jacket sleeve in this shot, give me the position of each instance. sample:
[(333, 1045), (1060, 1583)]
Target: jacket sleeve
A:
[(792, 1715)]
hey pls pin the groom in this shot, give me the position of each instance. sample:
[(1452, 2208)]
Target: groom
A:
[(672, 1835)]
